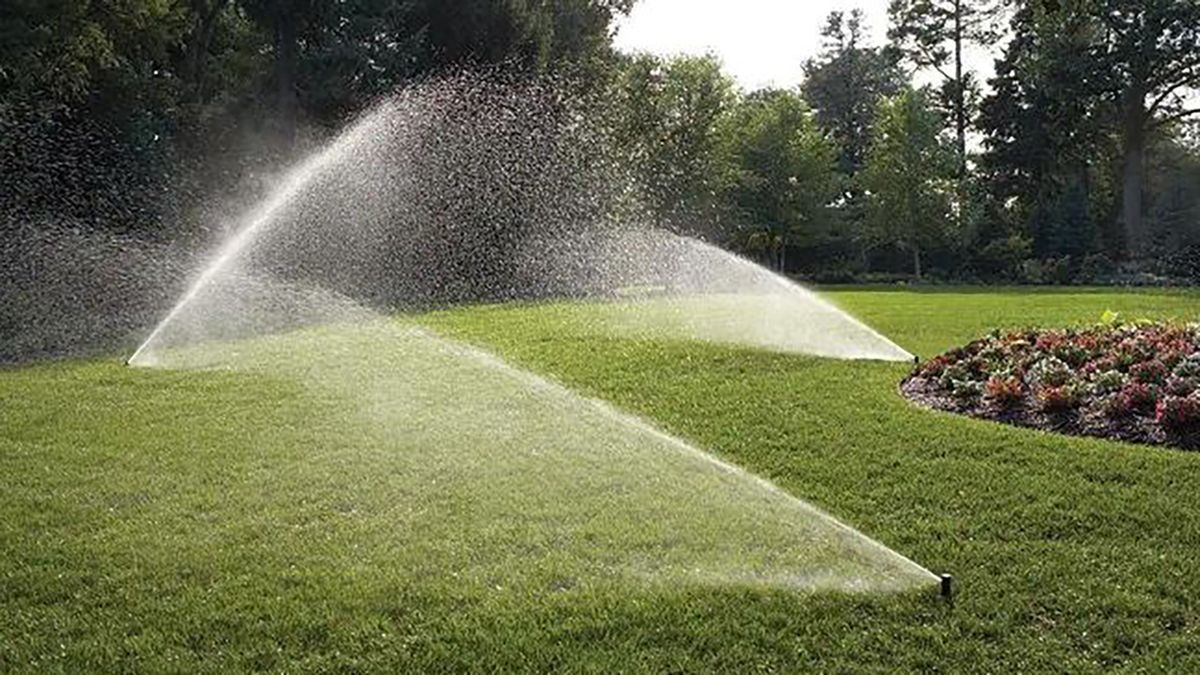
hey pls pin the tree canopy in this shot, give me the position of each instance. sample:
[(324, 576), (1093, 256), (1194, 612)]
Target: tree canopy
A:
[(1076, 161)]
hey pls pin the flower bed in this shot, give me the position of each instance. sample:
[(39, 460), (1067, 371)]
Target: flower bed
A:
[(1137, 382)]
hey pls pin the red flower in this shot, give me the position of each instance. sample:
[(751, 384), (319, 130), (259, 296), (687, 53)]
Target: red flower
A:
[(1149, 372), (1057, 399), (1138, 396), (1178, 412), (1006, 391)]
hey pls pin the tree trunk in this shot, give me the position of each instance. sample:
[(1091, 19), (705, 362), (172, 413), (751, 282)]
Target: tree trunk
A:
[(199, 42), (917, 262), (285, 76), (960, 91), (1133, 172)]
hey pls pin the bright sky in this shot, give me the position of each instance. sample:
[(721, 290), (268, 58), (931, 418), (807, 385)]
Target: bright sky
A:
[(761, 42)]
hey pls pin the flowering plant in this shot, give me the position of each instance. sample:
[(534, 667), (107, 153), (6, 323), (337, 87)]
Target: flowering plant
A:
[(1006, 390), (1178, 412), (1140, 378)]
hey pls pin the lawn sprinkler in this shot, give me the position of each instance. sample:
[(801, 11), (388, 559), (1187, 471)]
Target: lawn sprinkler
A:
[(946, 589)]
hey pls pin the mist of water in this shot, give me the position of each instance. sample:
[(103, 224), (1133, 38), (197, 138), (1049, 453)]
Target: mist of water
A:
[(506, 479), (470, 190)]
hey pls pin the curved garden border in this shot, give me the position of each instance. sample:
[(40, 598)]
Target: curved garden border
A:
[(1136, 382)]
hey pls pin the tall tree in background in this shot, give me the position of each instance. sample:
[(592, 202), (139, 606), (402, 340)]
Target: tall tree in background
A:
[(932, 34), (64, 52), (205, 18), (1173, 203), (363, 47), (86, 96), (909, 176), (1047, 146), (845, 82), (671, 119), (787, 178), (1150, 51), (126, 105), (284, 21)]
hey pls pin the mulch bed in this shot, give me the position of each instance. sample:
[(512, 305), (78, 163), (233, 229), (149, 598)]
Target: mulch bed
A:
[(927, 393)]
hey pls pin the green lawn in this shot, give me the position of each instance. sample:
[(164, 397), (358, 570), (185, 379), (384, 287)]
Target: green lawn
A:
[(238, 519)]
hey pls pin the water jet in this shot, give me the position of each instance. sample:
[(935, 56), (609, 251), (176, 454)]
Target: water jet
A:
[(440, 196)]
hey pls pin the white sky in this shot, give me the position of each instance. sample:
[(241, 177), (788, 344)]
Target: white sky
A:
[(761, 42)]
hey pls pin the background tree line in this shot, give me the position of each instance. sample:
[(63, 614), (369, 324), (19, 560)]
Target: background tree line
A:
[(1078, 161), (119, 114)]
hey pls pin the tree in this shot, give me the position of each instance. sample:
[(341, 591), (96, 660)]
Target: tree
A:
[(118, 107), (63, 52), (86, 94), (933, 33), (671, 122), (330, 58), (787, 177), (565, 34), (1150, 49), (1045, 125), (908, 176), (845, 82), (1173, 203)]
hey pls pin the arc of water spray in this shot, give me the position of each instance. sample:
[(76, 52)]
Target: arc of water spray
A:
[(888, 350), (295, 182)]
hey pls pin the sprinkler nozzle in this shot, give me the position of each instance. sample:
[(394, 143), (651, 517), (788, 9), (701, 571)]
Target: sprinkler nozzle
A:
[(947, 587), (916, 360)]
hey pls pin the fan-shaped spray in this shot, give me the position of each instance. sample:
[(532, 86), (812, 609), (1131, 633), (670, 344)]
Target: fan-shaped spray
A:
[(466, 190)]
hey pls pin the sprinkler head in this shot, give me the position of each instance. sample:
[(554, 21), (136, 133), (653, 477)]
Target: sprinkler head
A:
[(947, 587), (916, 360)]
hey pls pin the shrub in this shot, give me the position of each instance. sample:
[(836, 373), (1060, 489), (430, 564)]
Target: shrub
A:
[(1074, 354), (1049, 341), (1149, 372), (1178, 412), (1138, 396), (1102, 364), (935, 366), (1131, 351), (953, 374), (1005, 390), (1050, 372), (1146, 372), (1114, 406), (1189, 366), (1095, 268), (1108, 382), (967, 390), (1057, 399), (1179, 386)]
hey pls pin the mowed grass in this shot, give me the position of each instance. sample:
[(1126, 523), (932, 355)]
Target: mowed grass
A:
[(212, 521)]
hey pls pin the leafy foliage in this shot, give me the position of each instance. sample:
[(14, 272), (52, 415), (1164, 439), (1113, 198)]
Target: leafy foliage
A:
[(908, 176), (845, 82), (672, 121), (130, 115), (1137, 381), (786, 182)]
